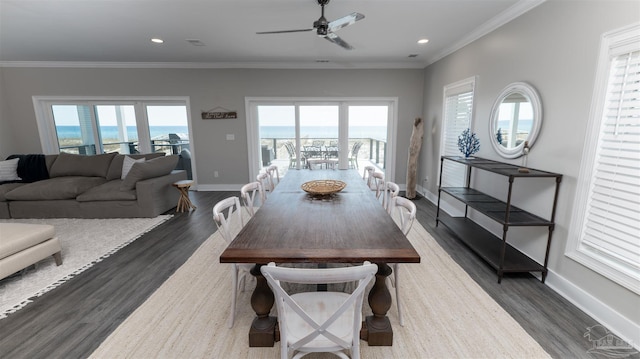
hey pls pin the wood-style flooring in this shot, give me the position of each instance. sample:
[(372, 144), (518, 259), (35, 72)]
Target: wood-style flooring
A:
[(72, 320)]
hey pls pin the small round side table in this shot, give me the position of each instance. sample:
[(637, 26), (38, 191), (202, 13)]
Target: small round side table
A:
[(184, 203)]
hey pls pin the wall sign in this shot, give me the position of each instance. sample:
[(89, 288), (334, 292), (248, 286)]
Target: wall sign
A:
[(219, 113)]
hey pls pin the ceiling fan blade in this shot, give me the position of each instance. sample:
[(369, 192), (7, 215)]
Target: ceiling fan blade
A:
[(338, 41), (282, 31), (345, 21)]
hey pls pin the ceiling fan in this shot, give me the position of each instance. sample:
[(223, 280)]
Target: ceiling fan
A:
[(326, 28)]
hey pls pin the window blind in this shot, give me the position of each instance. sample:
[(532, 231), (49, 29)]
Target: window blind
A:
[(457, 115), (612, 223)]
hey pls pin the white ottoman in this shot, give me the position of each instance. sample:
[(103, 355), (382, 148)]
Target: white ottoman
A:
[(22, 245)]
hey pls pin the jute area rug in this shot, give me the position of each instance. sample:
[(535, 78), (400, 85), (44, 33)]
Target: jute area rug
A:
[(84, 243), (447, 315)]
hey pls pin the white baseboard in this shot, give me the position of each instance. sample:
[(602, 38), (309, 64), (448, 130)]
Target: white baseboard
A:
[(602, 314), (596, 309)]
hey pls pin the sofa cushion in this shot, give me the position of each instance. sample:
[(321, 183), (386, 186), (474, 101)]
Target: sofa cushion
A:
[(78, 165), (7, 187), (153, 168), (9, 170), (68, 187), (115, 169), (109, 191)]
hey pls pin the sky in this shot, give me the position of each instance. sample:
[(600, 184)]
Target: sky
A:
[(67, 115), (322, 115)]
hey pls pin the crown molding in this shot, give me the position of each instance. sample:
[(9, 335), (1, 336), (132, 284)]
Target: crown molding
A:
[(504, 17), (216, 65)]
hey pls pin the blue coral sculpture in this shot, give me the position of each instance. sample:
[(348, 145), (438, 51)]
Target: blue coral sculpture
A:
[(468, 143)]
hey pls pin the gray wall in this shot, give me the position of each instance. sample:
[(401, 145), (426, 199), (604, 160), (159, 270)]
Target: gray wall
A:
[(555, 48), (208, 88), (6, 132)]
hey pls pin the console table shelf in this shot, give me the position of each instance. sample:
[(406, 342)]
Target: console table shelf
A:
[(495, 250)]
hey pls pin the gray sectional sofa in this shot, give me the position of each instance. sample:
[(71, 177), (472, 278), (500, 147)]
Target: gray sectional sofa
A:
[(76, 186)]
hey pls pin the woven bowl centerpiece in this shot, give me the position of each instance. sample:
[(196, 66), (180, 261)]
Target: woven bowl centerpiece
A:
[(323, 187)]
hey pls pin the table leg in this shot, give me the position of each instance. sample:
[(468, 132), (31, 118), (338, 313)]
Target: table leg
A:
[(262, 332), (377, 329)]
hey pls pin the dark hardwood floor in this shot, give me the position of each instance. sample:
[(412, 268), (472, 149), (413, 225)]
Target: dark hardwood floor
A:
[(72, 320)]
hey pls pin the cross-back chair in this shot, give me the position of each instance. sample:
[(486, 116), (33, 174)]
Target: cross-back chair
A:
[(274, 176), (390, 191), (227, 215), (377, 183), (319, 321), (404, 212), (250, 194), (263, 178), (366, 175)]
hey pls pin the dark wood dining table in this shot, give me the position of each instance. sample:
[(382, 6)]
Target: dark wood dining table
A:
[(293, 226)]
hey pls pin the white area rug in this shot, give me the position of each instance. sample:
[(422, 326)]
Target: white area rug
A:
[(85, 242), (447, 315)]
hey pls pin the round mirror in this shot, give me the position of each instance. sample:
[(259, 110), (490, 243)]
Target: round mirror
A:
[(515, 119)]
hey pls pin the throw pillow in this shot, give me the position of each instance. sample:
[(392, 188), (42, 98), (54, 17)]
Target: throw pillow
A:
[(115, 169), (126, 165), (149, 169), (9, 170)]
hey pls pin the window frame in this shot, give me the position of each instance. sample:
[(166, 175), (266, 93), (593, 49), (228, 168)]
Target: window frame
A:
[(613, 44), (455, 89)]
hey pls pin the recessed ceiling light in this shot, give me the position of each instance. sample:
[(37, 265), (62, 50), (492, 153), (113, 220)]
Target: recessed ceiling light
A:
[(157, 40), (423, 41)]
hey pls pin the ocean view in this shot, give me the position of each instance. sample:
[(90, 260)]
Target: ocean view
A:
[(280, 132), (111, 132)]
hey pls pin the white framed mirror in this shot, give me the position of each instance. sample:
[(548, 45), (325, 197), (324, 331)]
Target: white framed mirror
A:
[(516, 117)]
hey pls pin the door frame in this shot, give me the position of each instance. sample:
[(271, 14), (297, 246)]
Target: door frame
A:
[(46, 123), (253, 150)]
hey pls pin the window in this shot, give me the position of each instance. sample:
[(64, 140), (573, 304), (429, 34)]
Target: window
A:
[(604, 234), (104, 125), (457, 116), (289, 131)]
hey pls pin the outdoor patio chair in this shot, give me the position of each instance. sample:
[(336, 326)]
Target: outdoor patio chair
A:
[(353, 156)]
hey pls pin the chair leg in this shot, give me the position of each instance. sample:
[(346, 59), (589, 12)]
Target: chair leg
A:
[(234, 294)]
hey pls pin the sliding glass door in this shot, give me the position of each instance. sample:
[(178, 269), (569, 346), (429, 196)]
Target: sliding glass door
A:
[(293, 134)]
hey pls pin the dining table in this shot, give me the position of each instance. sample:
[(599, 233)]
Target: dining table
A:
[(293, 226)]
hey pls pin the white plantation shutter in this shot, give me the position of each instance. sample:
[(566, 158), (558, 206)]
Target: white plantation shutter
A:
[(610, 230), (458, 110)]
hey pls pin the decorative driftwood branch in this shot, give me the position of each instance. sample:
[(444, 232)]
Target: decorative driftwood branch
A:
[(414, 150)]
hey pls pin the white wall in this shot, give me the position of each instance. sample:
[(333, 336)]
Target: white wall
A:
[(554, 47), (208, 88)]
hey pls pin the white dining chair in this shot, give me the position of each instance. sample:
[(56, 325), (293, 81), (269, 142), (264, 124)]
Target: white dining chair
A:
[(274, 176), (320, 322), (227, 215), (252, 196), (404, 213), (389, 192), (377, 183), (263, 178), (366, 174)]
